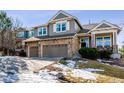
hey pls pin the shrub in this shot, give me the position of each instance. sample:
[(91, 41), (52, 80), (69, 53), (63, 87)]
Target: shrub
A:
[(63, 62), (89, 53), (105, 54), (22, 53)]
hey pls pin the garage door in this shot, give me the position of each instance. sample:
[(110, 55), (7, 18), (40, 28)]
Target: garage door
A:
[(55, 50), (34, 51)]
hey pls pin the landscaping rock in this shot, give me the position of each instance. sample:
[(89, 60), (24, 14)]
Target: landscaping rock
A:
[(60, 76), (11, 67), (10, 78), (116, 56), (76, 56), (47, 75)]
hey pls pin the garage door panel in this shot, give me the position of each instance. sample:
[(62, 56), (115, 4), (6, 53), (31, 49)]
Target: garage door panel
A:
[(34, 51), (55, 50)]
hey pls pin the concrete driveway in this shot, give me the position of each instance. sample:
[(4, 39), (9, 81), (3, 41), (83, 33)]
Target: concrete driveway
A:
[(35, 64)]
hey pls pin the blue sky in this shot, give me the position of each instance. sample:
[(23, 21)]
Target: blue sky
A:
[(31, 18)]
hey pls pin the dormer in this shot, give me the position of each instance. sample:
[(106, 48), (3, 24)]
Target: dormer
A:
[(63, 22)]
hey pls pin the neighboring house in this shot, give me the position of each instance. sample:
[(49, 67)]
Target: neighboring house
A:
[(21, 34), (63, 35)]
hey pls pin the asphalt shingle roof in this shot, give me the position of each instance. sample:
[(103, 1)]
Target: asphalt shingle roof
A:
[(56, 36)]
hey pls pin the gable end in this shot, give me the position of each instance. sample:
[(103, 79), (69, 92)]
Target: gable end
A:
[(104, 26), (61, 15)]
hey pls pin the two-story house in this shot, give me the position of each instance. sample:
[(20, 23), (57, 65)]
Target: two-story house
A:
[(63, 35)]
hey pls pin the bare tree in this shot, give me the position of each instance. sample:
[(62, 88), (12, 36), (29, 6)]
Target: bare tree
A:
[(8, 28)]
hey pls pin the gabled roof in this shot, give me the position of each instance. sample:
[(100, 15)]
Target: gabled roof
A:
[(31, 39), (104, 24), (88, 27), (56, 36), (64, 14)]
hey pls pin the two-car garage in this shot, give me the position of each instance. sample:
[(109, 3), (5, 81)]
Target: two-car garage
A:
[(60, 50), (60, 47)]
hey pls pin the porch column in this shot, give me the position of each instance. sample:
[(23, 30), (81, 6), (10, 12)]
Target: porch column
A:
[(28, 50), (115, 47), (41, 50), (93, 40)]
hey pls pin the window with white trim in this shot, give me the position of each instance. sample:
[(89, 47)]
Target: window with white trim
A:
[(64, 26), (60, 27), (103, 41), (42, 31), (86, 41), (21, 35), (31, 33), (107, 42)]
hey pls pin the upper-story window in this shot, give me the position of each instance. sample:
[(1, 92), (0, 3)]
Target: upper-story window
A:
[(20, 34), (58, 27), (31, 33), (42, 31), (64, 26), (61, 27)]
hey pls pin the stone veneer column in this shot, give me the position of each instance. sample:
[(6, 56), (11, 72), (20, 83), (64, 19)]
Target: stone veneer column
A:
[(115, 47), (93, 40), (41, 50)]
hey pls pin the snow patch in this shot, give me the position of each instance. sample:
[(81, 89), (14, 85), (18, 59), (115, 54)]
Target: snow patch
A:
[(71, 63), (83, 74), (93, 70), (48, 75)]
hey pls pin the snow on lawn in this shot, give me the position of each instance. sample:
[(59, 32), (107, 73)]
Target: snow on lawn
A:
[(10, 67), (83, 74), (48, 75), (63, 67), (71, 63), (36, 78), (76, 72), (93, 70), (15, 69)]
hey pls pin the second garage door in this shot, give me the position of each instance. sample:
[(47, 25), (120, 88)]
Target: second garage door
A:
[(55, 50)]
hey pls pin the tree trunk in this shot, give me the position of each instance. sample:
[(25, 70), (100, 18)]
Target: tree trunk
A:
[(2, 42)]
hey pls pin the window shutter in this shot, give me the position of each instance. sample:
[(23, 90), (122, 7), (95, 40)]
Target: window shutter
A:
[(68, 25), (54, 27)]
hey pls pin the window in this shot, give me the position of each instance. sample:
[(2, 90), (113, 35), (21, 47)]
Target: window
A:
[(85, 42), (103, 42), (99, 42), (63, 26), (60, 27), (31, 33), (107, 42), (42, 31), (20, 35)]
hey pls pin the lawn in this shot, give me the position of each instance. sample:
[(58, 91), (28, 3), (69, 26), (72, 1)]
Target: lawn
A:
[(108, 69)]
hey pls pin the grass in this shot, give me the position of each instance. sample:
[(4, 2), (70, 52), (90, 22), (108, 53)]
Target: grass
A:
[(108, 69)]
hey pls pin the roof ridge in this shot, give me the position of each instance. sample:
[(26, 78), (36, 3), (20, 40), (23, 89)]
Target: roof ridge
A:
[(90, 24)]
